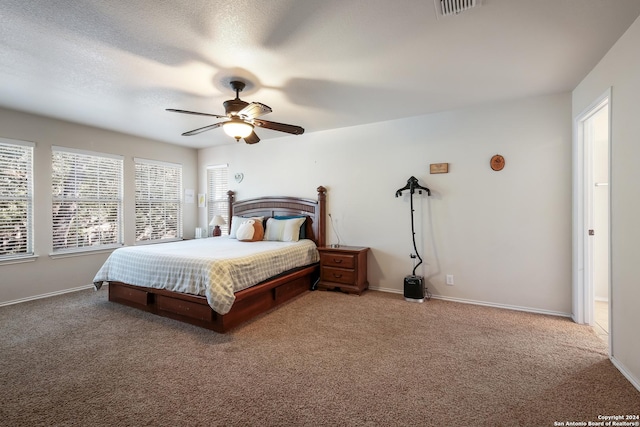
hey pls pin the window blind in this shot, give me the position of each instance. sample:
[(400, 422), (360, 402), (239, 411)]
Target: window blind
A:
[(158, 200), (16, 198), (87, 200), (218, 202)]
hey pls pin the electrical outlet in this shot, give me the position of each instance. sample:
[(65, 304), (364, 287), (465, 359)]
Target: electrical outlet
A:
[(450, 279)]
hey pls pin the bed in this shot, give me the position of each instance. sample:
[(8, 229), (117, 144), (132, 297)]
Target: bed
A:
[(211, 310)]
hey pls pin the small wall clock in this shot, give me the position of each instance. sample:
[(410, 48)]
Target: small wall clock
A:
[(497, 162)]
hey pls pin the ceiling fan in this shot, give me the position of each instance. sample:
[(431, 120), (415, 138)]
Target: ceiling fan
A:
[(243, 118)]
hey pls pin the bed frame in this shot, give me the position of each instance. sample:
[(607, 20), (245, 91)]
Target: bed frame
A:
[(249, 302)]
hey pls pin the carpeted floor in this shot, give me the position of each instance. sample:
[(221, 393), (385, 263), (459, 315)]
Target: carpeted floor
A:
[(323, 359)]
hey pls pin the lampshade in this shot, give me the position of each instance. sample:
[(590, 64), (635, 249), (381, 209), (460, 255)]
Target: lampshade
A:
[(237, 128), (217, 220)]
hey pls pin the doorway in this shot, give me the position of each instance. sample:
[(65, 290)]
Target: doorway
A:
[(592, 259)]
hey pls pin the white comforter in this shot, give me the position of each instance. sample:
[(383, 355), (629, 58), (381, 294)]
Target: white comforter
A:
[(215, 267)]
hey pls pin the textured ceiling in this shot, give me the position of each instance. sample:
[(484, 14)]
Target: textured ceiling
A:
[(320, 64)]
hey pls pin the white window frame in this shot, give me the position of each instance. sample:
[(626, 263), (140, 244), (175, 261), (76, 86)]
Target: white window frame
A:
[(114, 166), (17, 197), (217, 198), (167, 194)]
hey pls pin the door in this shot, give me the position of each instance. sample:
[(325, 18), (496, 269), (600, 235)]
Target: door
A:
[(599, 145), (592, 261)]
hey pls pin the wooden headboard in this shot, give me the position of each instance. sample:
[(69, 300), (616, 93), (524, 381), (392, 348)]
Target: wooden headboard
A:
[(283, 206)]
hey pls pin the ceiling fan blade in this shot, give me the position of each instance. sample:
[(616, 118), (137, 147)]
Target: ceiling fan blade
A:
[(195, 112), (252, 138), (254, 109), (203, 129), (282, 127)]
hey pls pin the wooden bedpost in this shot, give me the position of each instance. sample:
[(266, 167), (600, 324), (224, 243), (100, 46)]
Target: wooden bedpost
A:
[(230, 200), (322, 217)]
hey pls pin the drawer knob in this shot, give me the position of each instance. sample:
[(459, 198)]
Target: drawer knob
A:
[(337, 276), (337, 261)]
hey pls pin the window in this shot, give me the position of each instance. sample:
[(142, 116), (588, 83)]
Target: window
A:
[(158, 200), (16, 198), (218, 201), (87, 200)]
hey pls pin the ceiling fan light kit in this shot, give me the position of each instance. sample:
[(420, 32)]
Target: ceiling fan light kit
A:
[(237, 128), (243, 118)]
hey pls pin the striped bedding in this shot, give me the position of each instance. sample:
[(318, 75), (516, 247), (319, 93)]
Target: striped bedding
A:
[(214, 267)]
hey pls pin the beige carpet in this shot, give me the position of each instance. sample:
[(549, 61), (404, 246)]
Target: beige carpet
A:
[(323, 359)]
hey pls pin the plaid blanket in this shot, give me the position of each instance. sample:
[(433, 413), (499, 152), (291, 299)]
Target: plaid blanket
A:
[(215, 267)]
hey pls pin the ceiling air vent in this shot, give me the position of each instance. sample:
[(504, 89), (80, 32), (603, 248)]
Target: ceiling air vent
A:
[(454, 7)]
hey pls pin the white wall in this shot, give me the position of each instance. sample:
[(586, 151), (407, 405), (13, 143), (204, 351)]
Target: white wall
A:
[(620, 70), (505, 236), (47, 275)]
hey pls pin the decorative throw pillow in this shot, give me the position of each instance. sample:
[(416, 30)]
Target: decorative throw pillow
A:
[(303, 227), (250, 231), (283, 230), (236, 221)]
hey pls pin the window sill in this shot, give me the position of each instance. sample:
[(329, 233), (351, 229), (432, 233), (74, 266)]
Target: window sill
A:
[(154, 242), (82, 252), (18, 259)]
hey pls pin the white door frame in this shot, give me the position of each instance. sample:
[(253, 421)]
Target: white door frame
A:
[(583, 291)]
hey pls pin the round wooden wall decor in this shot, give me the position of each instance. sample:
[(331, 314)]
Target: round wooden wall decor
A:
[(497, 162)]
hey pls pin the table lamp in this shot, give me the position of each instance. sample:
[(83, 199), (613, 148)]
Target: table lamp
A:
[(216, 222)]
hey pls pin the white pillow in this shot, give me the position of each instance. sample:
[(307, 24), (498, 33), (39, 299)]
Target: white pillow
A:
[(236, 221), (283, 230)]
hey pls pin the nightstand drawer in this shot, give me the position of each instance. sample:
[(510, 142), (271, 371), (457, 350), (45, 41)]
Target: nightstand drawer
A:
[(338, 260), (338, 275)]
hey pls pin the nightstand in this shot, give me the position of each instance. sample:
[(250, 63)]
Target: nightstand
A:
[(343, 268)]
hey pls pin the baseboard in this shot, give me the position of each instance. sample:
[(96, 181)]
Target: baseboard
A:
[(47, 295), (388, 290), (483, 303), (624, 371)]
